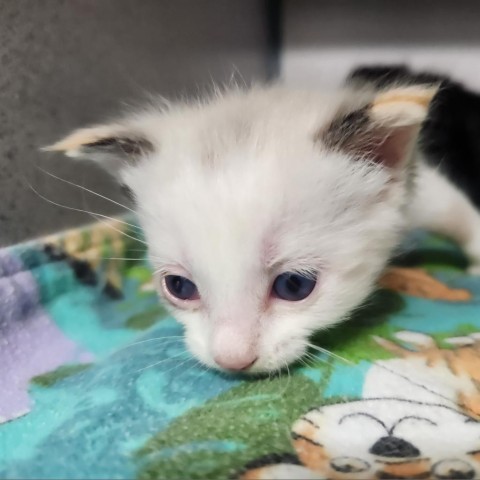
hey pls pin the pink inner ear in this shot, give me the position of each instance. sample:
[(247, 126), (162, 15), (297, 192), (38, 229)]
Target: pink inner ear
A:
[(359, 135), (392, 149)]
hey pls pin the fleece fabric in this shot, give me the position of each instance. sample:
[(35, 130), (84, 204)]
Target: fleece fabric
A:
[(96, 383)]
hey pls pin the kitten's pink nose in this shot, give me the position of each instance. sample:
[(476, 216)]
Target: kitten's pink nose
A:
[(233, 346), (236, 363)]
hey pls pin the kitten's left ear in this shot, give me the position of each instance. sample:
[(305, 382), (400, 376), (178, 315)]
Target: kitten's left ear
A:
[(385, 129), (111, 146)]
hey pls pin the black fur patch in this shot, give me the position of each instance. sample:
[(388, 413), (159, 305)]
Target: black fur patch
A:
[(342, 132), (450, 137), (127, 192), (382, 76), (129, 146)]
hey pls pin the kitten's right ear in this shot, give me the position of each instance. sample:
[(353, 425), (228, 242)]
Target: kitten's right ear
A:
[(384, 129), (111, 146)]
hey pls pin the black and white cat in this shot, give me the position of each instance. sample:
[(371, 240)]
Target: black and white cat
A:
[(270, 213)]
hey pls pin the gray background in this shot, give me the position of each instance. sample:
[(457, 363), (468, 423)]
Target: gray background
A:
[(65, 63), (324, 39)]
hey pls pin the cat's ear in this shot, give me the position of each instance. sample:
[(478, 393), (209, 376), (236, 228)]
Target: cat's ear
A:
[(112, 146), (385, 129)]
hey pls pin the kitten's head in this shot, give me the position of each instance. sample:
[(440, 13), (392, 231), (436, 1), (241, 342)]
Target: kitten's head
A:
[(268, 213)]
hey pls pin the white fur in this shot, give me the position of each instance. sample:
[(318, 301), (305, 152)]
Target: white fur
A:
[(440, 206), (239, 190)]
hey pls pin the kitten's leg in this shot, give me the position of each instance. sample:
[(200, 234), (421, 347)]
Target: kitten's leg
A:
[(439, 206)]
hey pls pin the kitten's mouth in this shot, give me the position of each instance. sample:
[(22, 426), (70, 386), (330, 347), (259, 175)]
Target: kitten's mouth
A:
[(260, 368), (251, 371)]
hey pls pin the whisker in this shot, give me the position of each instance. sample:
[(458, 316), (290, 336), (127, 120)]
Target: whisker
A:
[(316, 357), (279, 371), (289, 377), (163, 361), (95, 215), (180, 364), (100, 369), (125, 259), (119, 231), (84, 188), (195, 365), (201, 366), (393, 372), (145, 251), (177, 338), (78, 209), (329, 353), (311, 355), (306, 364), (307, 356)]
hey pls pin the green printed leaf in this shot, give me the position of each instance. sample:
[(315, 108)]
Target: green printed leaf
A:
[(51, 378), (144, 320), (219, 438)]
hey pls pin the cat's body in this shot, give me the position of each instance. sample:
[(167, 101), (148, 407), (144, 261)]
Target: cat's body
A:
[(270, 213)]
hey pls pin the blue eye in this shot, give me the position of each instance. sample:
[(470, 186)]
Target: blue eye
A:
[(293, 286), (181, 287)]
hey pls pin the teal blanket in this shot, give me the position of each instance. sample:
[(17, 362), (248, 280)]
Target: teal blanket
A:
[(96, 381)]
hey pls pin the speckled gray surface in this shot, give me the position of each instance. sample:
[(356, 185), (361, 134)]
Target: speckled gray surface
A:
[(65, 63)]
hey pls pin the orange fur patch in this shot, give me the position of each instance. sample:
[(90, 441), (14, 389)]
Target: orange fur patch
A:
[(84, 136), (312, 456), (418, 283), (422, 98)]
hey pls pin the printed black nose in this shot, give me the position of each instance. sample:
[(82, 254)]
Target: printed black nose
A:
[(394, 447)]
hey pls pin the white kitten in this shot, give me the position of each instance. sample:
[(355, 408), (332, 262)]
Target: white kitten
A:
[(271, 213)]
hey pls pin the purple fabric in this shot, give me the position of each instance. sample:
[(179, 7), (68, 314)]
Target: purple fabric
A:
[(30, 343)]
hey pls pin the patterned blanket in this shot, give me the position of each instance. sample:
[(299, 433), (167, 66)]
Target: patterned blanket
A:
[(96, 383)]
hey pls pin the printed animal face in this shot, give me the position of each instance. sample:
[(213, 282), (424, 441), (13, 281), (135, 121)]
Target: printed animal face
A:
[(381, 438), (268, 214)]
